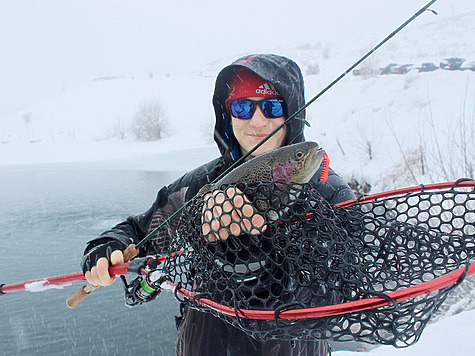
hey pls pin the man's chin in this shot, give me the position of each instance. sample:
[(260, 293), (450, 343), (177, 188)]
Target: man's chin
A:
[(266, 147)]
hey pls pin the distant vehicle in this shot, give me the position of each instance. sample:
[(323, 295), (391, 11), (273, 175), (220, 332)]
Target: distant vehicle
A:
[(388, 69), (394, 68), (403, 69), (452, 63), (468, 66), (356, 72), (427, 67)]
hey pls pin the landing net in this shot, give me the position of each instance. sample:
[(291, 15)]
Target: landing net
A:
[(313, 256)]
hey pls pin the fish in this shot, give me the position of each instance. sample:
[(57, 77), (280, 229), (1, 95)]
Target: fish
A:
[(295, 163)]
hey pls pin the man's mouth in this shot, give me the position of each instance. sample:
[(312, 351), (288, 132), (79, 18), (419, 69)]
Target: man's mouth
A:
[(260, 136)]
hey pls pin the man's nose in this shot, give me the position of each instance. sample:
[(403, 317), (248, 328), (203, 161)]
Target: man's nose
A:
[(258, 119)]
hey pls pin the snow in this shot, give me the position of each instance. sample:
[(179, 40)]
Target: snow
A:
[(42, 285), (88, 120), (451, 336), (74, 76)]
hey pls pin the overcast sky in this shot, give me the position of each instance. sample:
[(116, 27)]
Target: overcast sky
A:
[(49, 44)]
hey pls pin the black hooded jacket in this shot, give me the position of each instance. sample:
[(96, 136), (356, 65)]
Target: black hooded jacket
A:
[(283, 73), (201, 332)]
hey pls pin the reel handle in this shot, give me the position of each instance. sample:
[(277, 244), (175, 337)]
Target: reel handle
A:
[(129, 253)]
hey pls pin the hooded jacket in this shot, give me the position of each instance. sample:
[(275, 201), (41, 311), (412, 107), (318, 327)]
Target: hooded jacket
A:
[(283, 73), (199, 331)]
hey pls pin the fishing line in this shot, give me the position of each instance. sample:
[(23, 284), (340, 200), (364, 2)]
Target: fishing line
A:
[(294, 115)]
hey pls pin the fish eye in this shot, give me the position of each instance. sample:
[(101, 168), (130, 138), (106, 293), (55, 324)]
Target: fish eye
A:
[(299, 154)]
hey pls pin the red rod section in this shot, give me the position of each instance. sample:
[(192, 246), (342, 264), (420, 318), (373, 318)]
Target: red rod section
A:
[(38, 284), (117, 270)]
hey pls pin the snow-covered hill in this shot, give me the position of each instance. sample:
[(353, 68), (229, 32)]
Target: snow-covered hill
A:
[(377, 130)]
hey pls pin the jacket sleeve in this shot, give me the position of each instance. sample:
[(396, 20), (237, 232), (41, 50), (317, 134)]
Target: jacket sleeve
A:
[(135, 228), (334, 189)]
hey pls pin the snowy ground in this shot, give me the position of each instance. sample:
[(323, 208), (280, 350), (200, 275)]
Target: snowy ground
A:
[(375, 129), (450, 336)]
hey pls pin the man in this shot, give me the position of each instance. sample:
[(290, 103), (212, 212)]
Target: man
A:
[(252, 97)]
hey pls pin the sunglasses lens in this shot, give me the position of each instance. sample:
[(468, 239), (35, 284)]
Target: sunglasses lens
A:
[(273, 108), (242, 109)]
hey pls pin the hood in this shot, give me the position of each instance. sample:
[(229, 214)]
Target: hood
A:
[(284, 74)]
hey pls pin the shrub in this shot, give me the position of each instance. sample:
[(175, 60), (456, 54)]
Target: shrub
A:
[(150, 123)]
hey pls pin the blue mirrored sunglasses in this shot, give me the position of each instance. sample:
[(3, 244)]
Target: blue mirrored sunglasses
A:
[(245, 108)]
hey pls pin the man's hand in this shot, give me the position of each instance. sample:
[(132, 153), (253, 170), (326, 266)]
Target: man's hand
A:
[(96, 261), (229, 212), (99, 274)]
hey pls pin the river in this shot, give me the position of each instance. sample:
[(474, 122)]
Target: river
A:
[(47, 213)]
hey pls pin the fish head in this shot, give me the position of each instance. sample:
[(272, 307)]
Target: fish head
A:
[(296, 163)]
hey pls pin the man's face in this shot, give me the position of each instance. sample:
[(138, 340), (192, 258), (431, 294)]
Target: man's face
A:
[(249, 132)]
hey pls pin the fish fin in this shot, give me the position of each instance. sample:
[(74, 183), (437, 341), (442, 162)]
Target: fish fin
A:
[(204, 189)]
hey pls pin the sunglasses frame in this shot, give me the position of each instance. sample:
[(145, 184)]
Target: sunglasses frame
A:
[(255, 104)]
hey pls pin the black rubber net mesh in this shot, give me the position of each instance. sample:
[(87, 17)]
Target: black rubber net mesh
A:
[(312, 254)]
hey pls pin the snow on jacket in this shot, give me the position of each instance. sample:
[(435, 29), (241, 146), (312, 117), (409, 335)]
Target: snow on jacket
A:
[(286, 76)]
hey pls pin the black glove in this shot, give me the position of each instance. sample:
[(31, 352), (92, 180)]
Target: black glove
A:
[(102, 248)]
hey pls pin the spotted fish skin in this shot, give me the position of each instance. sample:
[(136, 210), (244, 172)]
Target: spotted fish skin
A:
[(295, 163)]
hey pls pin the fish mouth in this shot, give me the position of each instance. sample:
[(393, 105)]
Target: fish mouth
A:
[(312, 163)]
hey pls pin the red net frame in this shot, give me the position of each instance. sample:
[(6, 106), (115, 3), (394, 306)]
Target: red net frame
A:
[(445, 283)]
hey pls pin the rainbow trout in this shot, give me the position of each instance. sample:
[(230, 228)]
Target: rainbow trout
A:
[(295, 164)]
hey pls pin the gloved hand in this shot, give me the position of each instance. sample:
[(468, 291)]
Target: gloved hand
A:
[(96, 261)]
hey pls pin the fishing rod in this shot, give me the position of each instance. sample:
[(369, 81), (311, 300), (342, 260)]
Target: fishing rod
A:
[(294, 115), (133, 250)]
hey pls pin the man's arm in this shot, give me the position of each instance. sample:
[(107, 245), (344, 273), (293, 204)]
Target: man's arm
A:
[(109, 246), (334, 189), (107, 249)]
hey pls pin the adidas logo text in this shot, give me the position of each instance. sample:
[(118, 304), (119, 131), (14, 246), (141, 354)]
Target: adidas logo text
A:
[(267, 89)]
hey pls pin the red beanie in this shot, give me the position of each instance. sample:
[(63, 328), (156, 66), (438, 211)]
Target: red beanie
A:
[(245, 83)]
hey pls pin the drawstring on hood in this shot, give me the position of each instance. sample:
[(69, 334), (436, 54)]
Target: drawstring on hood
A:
[(279, 71)]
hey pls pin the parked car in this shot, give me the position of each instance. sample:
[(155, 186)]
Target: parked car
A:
[(452, 63), (388, 69), (402, 69), (394, 68), (427, 67), (468, 66)]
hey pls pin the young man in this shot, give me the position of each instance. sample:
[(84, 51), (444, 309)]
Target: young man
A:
[(252, 97)]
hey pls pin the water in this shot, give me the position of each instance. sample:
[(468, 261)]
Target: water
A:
[(46, 216)]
